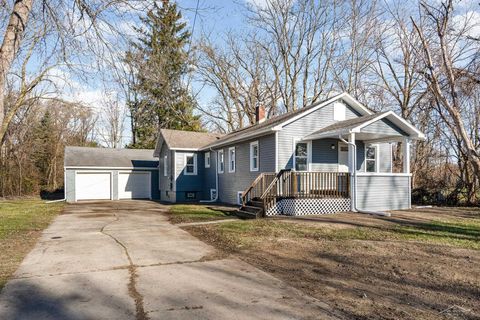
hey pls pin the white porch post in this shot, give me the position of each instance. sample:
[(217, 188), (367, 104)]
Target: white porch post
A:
[(351, 153), (352, 169), (406, 155)]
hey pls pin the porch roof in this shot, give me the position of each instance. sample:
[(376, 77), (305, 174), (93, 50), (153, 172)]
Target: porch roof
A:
[(402, 128)]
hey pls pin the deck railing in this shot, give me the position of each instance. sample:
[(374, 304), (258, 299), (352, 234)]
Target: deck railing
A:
[(269, 187)]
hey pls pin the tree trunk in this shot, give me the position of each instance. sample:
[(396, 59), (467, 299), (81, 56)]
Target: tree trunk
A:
[(10, 46)]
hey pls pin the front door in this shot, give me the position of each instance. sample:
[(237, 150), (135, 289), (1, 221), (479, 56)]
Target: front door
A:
[(342, 157)]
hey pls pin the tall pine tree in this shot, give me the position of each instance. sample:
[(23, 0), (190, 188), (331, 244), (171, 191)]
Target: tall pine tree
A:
[(160, 61)]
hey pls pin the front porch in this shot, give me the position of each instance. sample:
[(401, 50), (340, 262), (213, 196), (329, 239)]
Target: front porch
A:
[(347, 166)]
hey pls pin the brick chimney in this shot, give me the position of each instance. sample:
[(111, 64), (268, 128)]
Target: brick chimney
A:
[(259, 114)]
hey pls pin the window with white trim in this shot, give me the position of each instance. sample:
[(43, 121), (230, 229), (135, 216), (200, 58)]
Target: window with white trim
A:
[(254, 156), (190, 164), (231, 159), (207, 159), (221, 161), (371, 158), (301, 156), (165, 165)]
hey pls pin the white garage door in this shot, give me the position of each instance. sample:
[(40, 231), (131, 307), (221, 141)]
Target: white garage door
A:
[(93, 186), (134, 185)]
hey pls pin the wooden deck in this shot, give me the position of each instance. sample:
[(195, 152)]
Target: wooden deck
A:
[(268, 188)]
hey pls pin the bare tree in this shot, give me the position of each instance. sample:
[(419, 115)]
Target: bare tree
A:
[(112, 122), (449, 59), (58, 34)]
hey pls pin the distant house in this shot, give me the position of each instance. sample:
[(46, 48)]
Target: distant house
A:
[(332, 156)]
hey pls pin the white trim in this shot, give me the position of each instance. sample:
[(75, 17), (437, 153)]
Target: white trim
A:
[(389, 139), (207, 155), (391, 157), (92, 171), (396, 118), (110, 168), (345, 96), (230, 170), (377, 163), (185, 156), (239, 197), (385, 174), (222, 152), (132, 171), (252, 144), (165, 167), (184, 149), (174, 174), (211, 195), (309, 153)]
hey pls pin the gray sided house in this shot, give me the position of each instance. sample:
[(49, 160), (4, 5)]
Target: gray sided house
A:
[(335, 155), (110, 174)]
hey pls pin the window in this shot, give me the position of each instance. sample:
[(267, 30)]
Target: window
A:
[(165, 165), (190, 195), (231, 159), (221, 161), (190, 164), (371, 159), (207, 159), (339, 111), (254, 156), (301, 156)]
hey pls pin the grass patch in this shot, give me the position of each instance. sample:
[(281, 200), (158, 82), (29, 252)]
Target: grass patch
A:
[(21, 223), (182, 213), (463, 234)]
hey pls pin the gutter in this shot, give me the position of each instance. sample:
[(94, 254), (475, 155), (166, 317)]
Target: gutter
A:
[(354, 195), (216, 179)]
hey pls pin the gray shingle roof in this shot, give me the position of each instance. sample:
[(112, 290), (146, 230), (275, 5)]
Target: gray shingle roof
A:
[(178, 139), (107, 157), (264, 126), (348, 124)]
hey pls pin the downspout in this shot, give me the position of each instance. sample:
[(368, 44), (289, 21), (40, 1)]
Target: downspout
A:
[(216, 179), (354, 195)]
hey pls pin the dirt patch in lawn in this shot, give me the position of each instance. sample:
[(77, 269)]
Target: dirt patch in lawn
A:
[(187, 213), (412, 265)]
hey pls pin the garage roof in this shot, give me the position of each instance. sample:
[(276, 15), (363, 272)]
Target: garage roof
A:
[(109, 158)]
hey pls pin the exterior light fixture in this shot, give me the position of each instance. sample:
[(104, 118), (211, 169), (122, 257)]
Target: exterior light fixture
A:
[(333, 146)]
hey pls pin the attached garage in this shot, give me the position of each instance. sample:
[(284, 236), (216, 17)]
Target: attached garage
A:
[(110, 174), (93, 185), (134, 185)]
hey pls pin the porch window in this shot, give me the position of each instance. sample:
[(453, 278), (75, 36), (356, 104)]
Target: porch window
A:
[(221, 161), (231, 159), (301, 156), (190, 164), (371, 159), (254, 156)]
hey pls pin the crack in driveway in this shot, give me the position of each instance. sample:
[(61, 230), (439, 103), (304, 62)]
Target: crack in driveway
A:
[(140, 313)]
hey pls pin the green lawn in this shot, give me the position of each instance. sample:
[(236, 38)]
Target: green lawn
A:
[(464, 233), (21, 223), (182, 213)]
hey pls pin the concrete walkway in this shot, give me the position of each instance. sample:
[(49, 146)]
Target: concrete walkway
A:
[(124, 260)]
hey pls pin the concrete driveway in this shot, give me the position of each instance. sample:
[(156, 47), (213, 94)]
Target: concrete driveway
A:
[(124, 260)]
